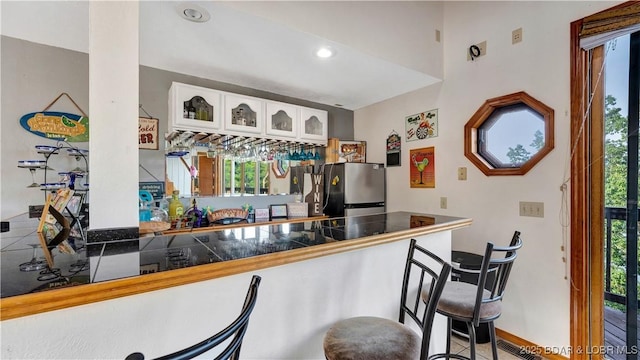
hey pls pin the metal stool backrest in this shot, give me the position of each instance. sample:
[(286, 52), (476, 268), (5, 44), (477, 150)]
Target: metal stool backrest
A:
[(500, 268), (421, 263), (235, 331)]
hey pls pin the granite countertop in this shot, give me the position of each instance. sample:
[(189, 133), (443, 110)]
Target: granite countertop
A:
[(169, 252)]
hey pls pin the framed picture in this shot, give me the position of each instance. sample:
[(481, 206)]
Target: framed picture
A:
[(147, 133), (422, 168), (278, 211), (352, 151), (74, 205), (421, 126), (261, 213)]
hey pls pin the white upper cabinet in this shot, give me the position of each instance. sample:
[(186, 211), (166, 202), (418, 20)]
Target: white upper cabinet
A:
[(201, 110), (313, 125), (243, 114), (194, 108), (281, 120)]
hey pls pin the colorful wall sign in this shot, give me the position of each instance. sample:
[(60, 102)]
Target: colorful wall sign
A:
[(422, 169), (422, 126), (393, 149), (57, 125), (147, 133), (156, 188), (314, 192)]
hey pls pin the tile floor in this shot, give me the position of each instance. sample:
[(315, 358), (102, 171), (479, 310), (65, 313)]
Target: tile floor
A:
[(460, 346)]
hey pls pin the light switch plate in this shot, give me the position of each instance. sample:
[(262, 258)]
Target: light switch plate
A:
[(532, 209), (462, 173)]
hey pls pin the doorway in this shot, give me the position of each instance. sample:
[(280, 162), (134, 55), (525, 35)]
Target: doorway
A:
[(622, 55), (604, 184)]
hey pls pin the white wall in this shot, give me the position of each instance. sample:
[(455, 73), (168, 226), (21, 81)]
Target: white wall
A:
[(536, 306), (27, 86)]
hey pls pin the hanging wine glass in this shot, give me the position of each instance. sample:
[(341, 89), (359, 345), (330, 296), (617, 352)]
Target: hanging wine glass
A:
[(282, 153), (317, 155), (273, 153), (309, 155), (264, 154), (34, 264), (211, 150), (296, 154)]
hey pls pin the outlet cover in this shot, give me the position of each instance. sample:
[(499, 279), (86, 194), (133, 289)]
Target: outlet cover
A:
[(483, 50), (516, 36), (443, 202), (462, 173)]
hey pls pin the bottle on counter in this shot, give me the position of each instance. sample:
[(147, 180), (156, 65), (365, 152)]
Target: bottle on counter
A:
[(193, 215), (176, 209)]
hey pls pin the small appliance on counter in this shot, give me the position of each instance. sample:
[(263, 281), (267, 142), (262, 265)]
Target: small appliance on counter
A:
[(354, 189)]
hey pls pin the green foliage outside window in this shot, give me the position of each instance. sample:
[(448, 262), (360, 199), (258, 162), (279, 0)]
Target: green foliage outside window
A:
[(252, 171), (615, 192)]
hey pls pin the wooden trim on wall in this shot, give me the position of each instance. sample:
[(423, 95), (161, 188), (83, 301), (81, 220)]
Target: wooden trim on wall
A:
[(596, 181), (579, 293), (587, 191)]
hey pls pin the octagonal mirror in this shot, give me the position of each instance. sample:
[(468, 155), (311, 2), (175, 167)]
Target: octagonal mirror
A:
[(509, 134)]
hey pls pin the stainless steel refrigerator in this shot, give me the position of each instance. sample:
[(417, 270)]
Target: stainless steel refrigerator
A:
[(354, 189)]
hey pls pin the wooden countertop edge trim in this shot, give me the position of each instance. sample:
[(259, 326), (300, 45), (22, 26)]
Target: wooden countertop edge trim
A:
[(30, 304)]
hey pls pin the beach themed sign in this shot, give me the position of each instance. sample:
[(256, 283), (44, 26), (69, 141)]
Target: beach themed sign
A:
[(58, 125)]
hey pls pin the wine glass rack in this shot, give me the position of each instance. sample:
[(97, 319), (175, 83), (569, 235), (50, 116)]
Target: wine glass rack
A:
[(73, 175)]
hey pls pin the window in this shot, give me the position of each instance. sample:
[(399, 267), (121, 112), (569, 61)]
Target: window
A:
[(508, 135), (251, 177)]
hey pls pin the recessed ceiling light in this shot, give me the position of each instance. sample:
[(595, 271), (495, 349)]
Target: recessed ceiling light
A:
[(193, 12), (325, 52)]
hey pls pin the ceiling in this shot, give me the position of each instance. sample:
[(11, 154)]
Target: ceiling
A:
[(268, 46)]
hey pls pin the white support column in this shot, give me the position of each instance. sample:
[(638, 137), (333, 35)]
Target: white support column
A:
[(113, 104)]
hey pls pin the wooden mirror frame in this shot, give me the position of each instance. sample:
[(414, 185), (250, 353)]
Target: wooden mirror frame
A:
[(484, 113)]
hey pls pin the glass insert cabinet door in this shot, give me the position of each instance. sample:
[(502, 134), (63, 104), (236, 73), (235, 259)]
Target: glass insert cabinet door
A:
[(282, 119), (243, 114), (313, 124), (194, 108)]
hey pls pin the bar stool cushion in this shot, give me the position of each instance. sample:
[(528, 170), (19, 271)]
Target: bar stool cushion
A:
[(458, 299), (371, 338)]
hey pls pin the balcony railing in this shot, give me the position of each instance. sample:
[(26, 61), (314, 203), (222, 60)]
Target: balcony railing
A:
[(611, 214)]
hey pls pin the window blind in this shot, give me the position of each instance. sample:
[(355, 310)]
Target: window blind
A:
[(610, 24)]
